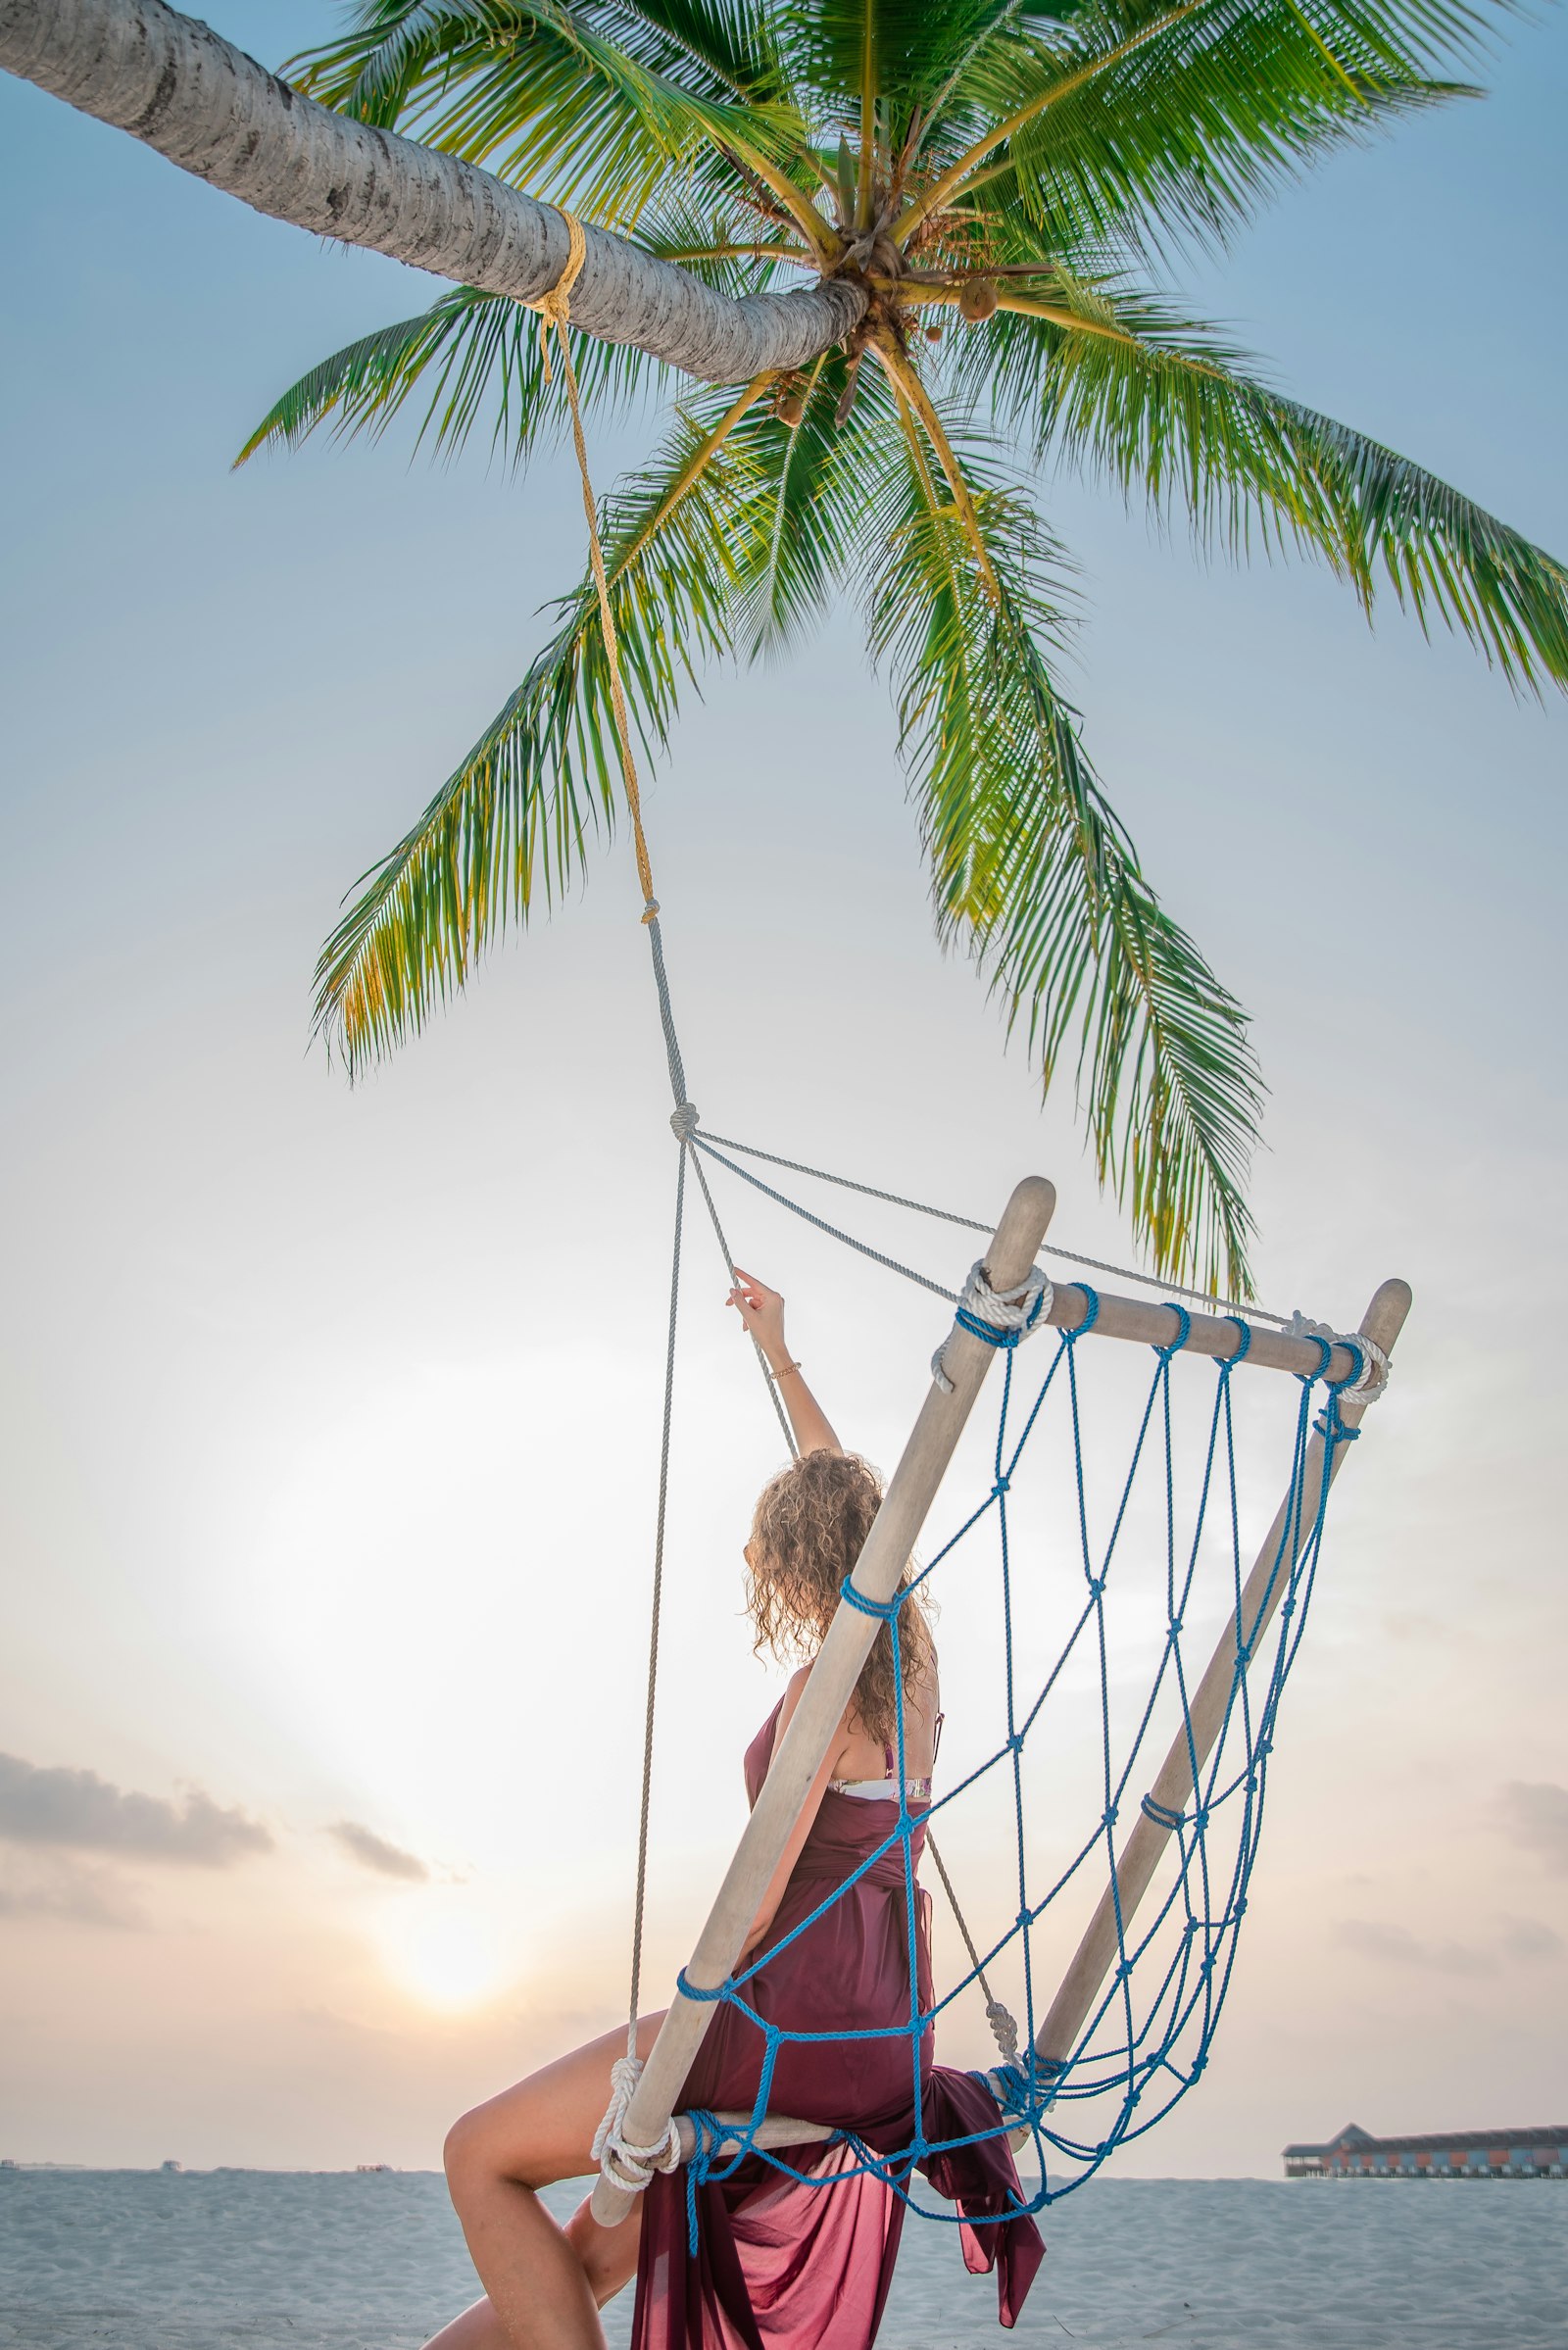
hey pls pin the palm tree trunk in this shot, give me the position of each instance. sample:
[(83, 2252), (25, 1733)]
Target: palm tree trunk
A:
[(174, 84)]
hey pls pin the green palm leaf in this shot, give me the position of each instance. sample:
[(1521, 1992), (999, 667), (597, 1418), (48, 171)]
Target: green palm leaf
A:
[(926, 143), (1147, 401), (1151, 118), (536, 91), (1033, 873), (469, 354), (804, 527), (905, 50), (515, 819)]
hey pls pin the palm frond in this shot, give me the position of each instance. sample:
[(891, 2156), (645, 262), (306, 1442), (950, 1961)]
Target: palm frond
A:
[(734, 44), (1117, 384), (473, 354), (908, 49), (799, 533), (1047, 152), (1441, 555), (514, 821), (1036, 876), (1150, 119), (541, 94), (468, 354)]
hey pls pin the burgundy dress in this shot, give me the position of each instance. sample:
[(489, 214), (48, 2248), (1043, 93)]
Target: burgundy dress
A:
[(782, 2266)]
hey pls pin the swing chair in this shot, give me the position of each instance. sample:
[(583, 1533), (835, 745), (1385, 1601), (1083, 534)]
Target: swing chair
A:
[(1128, 2027)]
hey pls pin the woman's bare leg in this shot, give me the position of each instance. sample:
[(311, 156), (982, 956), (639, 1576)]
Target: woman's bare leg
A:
[(544, 2285), (478, 2329)]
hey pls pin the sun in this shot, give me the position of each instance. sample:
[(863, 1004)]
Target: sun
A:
[(447, 1951)]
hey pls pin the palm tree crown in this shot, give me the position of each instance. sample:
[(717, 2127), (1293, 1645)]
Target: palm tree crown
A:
[(1000, 179)]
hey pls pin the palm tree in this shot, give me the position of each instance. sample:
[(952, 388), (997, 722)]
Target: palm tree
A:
[(994, 186)]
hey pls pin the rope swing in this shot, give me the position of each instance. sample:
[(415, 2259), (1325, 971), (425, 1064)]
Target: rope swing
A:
[(1130, 2027)]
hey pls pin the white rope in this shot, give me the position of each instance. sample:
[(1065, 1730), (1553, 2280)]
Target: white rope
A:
[(1372, 1377), (1022, 1308), (622, 2164), (1004, 2030)]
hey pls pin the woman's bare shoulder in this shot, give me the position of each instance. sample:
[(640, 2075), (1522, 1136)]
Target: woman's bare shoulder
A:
[(793, 1691)]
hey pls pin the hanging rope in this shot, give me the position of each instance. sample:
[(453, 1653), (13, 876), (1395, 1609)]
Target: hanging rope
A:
[(634, 2164), (945, 1215), (555, 309), (1002, 2023), (655, 1611)]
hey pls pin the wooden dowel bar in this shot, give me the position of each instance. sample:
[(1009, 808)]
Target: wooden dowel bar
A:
[(774, 2131), (1152, 1324), (1172, 1789)]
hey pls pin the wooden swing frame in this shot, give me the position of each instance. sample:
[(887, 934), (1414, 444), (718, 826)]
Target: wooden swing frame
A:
[(894, 1531)]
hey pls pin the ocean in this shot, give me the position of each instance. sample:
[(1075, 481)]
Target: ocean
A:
[(259, 2260)]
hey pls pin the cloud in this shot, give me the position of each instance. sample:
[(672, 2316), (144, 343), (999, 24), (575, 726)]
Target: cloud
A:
[(372, 1851), (1534, 1813), (1529, 1939), (51, 1886), (1395, 1946), (77, 1809)]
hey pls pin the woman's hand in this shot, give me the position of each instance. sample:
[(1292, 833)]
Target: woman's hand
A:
[(761, 1311)]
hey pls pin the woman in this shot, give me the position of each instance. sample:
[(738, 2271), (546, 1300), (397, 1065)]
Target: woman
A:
[(777, 2262)]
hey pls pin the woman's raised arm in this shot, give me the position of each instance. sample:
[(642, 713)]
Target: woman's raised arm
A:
[(761, 1311)]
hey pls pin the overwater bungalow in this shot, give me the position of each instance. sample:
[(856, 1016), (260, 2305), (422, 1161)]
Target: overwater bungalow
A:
[(1454, 2154)]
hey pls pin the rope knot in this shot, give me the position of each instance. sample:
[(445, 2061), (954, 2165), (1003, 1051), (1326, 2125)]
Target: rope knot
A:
[(1371, 1374), (996, 1317), (1163, 1815), (554, 304), (683, 1121), (886, 1611), (1091, 1298), (1005, 2029), (704, 1997), (1243, 1341), (1184, 1331), (624, 2165)]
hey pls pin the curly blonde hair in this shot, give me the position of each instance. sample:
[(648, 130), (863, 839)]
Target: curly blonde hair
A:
[(808, 1529)]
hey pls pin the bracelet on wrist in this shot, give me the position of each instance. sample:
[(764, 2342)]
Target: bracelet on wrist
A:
[(782, 1372)]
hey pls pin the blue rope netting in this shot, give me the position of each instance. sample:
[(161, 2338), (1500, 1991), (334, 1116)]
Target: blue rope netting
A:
[(1149, 2037)]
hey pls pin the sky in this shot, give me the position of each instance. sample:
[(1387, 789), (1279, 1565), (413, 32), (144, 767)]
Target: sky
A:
[(328, 1415)]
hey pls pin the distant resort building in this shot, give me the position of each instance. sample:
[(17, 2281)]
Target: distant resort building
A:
[(1458, 2154)]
